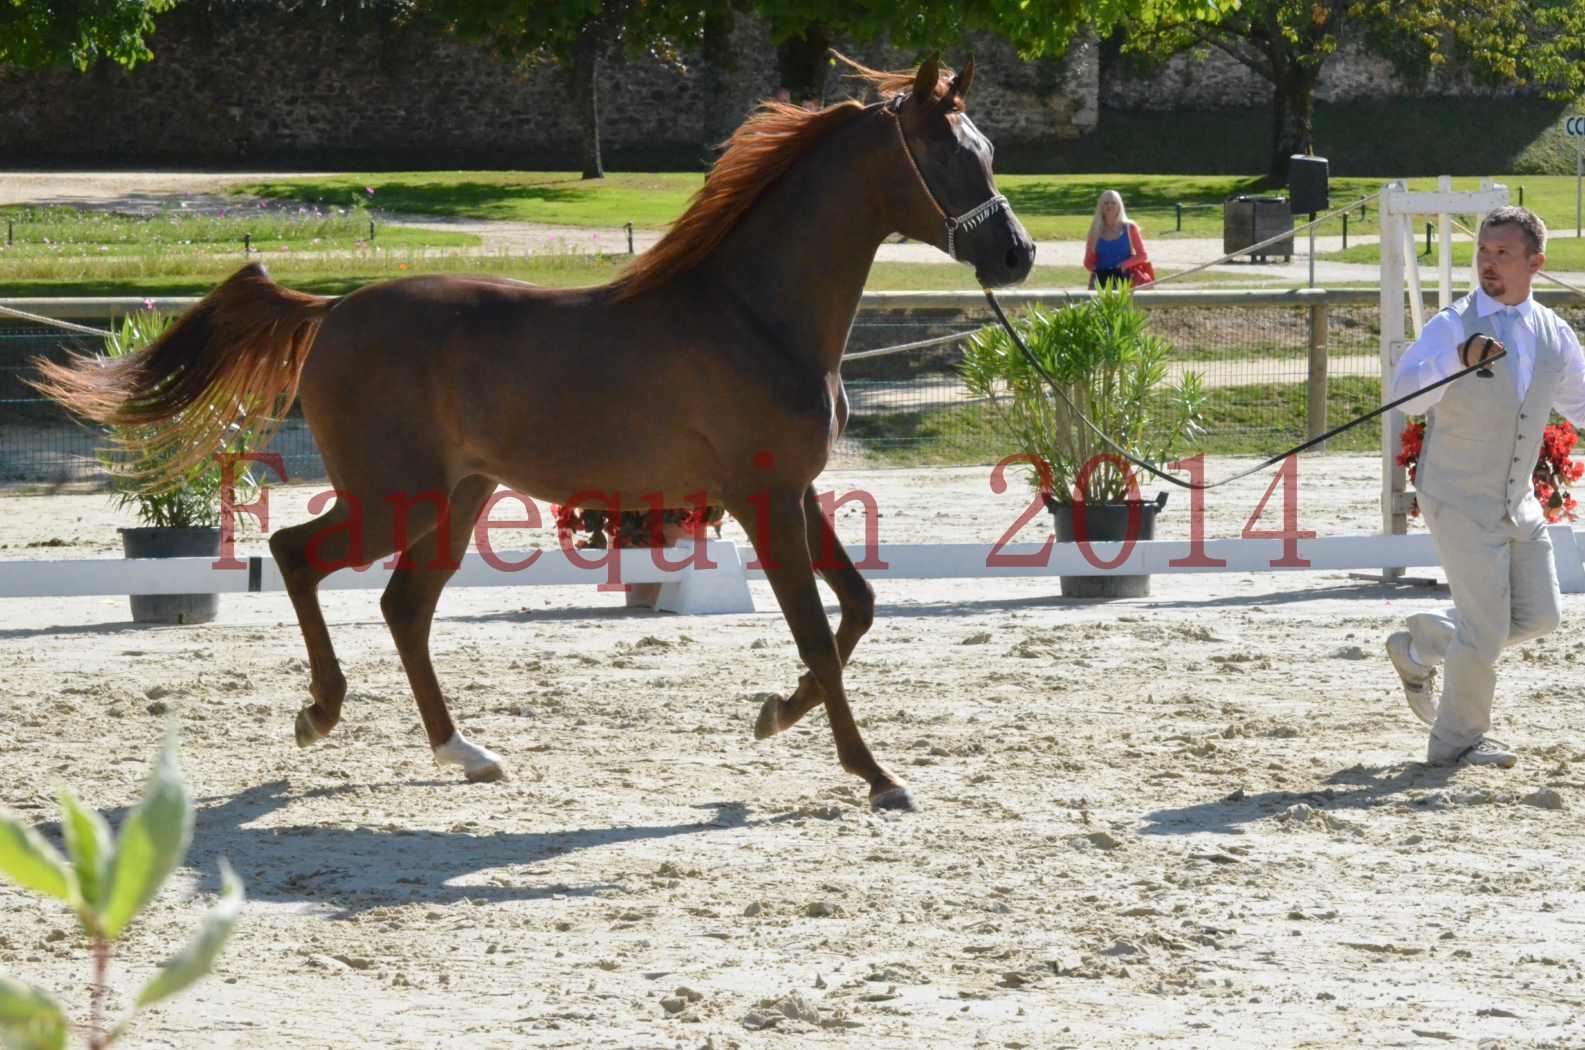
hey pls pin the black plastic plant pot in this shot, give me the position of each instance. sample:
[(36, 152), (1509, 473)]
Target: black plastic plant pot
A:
[(172, 543), (1113, 522)]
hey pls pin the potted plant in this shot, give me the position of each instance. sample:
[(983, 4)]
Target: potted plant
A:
[(633, 528), (1114, 372), (180, 520)]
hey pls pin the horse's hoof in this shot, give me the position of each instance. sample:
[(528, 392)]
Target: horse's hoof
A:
[(896, 799), (479, 764), (306, 732), (486, 774), (769, 722)]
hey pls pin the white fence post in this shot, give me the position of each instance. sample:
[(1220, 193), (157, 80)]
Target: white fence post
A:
[(723, 589), (1394, 516)]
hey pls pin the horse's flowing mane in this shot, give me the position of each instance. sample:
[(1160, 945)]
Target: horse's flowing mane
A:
[(774, 137)]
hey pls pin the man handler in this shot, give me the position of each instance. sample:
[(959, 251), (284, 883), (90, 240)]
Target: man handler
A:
[(1473, 483)]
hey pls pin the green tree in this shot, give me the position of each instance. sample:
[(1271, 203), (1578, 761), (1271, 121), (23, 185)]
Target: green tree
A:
[(1535, 44), (581, 35), (35, 34), (1037, 28), (803, 29)]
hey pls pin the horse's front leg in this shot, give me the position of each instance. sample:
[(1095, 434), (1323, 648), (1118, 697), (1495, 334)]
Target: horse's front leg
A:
[(857, 599), (781, 543)]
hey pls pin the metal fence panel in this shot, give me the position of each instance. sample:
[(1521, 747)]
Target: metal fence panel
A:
[(1251, 348)]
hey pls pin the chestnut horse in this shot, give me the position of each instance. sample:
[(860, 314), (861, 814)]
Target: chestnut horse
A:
[(709, 367)]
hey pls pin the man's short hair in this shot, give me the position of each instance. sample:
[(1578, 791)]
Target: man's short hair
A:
[(1527, 221)]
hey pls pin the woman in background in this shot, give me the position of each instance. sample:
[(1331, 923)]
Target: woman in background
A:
[(1114, 248)]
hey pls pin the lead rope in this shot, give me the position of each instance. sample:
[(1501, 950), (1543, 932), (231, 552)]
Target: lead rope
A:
[(979, 214), (1151, 468)]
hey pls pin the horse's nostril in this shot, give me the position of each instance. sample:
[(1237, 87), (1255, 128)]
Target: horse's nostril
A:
[(1013, 261)]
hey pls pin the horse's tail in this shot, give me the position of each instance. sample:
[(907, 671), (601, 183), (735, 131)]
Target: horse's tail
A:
[(227, 369)]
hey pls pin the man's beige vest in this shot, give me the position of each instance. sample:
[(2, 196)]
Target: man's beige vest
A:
[(1481, 440)]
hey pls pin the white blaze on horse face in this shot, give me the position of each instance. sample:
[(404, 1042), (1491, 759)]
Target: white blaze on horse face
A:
[(980, 153), (971, 138)]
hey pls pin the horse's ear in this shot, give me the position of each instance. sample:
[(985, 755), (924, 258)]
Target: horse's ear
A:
[(960, 83), (926, 79)]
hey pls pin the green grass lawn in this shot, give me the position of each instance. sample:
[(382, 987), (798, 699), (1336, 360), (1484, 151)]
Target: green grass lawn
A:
[(63, 251), (1052, 207), (54, 231), (165, 274), (315, 233), (649, 201), (1239, 420), (1562, 253)]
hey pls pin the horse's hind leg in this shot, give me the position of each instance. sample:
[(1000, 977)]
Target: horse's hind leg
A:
[(857, 599), (409, 607), (360, 528), (783, 548), (303, 569)]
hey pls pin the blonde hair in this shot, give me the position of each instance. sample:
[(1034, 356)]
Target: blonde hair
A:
[(1098, 224)]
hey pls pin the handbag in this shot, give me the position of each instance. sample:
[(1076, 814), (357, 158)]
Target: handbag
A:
[(1140, 272)]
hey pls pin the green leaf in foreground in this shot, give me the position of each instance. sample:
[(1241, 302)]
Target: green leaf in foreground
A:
[(30, 1019), (90, 847), (31, 862), (198, 957), (154, 838)]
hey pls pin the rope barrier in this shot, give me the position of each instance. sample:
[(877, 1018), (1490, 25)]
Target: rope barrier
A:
[(956, 337), (1576, 289), (1151, 468), (960, 336), (67, 325), (942, 340)]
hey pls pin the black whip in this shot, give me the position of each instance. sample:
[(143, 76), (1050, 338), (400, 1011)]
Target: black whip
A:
[(1151, 468)]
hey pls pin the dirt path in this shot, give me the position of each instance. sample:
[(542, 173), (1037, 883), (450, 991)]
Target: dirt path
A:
[(1193, 820)]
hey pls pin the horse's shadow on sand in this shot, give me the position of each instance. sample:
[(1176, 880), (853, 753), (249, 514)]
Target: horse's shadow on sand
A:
[(1355, 788), (344, 870)]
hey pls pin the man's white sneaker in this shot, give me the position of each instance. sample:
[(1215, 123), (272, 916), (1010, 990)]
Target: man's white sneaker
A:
[(1484, 752), (1419, 681), (1488, 752)]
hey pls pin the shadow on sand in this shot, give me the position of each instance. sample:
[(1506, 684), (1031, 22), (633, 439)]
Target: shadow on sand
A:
[(343, 871), (1354, 788)]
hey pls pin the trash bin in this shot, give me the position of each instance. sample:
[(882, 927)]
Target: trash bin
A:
[(1250, 220), (1307, 184)]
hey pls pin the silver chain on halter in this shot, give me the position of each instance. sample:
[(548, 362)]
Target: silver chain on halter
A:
[(965, 222)]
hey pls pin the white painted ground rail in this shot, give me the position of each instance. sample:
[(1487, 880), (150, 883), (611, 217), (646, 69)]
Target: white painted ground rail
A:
[(723, 588)]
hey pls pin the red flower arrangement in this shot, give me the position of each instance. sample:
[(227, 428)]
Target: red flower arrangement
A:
[(1555, 468), (632, 528)]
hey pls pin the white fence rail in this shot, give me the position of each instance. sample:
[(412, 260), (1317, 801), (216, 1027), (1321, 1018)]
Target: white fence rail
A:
[(723, 587)]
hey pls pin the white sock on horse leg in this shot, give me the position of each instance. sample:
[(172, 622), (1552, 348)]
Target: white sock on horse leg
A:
[(460, 751)]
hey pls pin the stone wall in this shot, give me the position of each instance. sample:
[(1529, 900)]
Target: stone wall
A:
[(242, 84), (1213, 79)]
